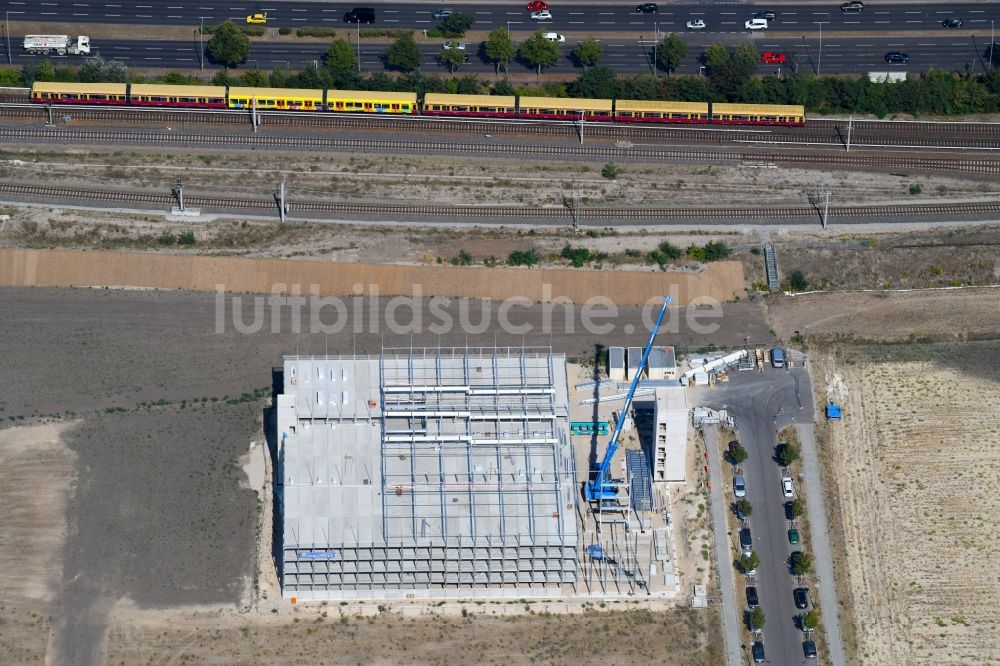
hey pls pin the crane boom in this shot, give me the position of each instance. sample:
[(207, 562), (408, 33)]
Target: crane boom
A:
[(601, 487)]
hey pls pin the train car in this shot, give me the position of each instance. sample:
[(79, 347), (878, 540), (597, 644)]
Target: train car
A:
[(370, 101), (757, 114), (565, 108), (79, 93), (196, 97), (489, 106), (275, 99), (644, 111)]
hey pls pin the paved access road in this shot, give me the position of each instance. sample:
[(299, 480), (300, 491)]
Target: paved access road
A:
[(761, 403), (840, 55), (594, 17)]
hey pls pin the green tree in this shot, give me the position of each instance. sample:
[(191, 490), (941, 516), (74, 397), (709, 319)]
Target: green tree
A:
[(744, 506), (222, 78), (671, 52), (43, 71), (339, 56), (588, 52), (103, 70), (453, 58), (455, 25), (787, 454), (797, 508), (749, 562), (745, 59), (716, 57), (810, 620), (797, 280), (800, 563), (499, 49), (404, 54), (228, 45), (539, 52), (737, 454), (503, 87), (598, 82), (756, 619)]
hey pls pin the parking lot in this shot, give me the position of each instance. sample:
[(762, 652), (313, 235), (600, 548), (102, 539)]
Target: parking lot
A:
[(761, 404)]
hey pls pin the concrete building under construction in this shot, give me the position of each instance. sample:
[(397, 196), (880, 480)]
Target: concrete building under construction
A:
[(426, 472)]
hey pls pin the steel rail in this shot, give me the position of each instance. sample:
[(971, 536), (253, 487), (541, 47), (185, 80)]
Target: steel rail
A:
[(792, 214), (492, 148)]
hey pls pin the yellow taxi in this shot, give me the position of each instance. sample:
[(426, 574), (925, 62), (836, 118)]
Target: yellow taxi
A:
[(260, 18)]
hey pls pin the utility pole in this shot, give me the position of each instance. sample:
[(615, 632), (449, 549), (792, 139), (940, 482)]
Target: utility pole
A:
[(201, 43), (825, 195), (179, 193), (992, 40), (254, 118), (581, 127), (656, 42), (850, 126), (282, 206), (819, 64)]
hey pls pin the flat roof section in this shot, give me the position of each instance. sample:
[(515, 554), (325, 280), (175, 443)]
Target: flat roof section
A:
[(177, 91), (426, 470), (88, 88)]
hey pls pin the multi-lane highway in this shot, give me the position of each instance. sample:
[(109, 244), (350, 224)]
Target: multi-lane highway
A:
[(588, 18), (625, 55)]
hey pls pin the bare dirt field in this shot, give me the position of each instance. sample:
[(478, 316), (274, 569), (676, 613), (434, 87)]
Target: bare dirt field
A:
[(37, 479), (717, 282), (156, 411), (961, 314), (913, 486), (679, 637)]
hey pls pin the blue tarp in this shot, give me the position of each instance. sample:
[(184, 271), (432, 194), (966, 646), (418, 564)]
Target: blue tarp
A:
[(833, 411)]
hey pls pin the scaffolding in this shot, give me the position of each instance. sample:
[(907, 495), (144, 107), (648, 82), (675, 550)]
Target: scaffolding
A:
[(452, 469)]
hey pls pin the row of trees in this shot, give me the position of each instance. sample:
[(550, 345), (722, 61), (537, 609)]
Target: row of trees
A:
[(936, 92)]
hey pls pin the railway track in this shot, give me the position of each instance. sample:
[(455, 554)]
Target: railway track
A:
[(793, 214), (976, 136), (622, 151)]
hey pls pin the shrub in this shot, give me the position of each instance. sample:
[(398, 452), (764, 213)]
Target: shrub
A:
[(797, 281), (284, 30), (610, 171), (167, 238), (394, 33), (523, 258), (314, 32), (916, 188), (463, 259), (186, 238)]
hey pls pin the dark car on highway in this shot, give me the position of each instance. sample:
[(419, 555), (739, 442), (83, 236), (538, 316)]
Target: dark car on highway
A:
[(765, 14), (752, 599), (757, 650), (897, 57), (855, 6), (952, 23), (801, 596), (647, 8)]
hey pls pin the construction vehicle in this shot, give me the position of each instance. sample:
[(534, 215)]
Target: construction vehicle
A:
[(58, 44), (602, 488)]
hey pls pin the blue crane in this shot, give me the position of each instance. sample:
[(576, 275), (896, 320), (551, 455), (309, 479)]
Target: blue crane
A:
[(602, 487)]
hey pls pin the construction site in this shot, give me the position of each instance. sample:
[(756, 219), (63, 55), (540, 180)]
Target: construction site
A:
[(457, 472)]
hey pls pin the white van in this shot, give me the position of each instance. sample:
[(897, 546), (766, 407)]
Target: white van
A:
[(756, 24)]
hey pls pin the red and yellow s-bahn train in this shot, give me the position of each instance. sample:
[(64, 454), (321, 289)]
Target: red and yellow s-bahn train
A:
[(406, 103)]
